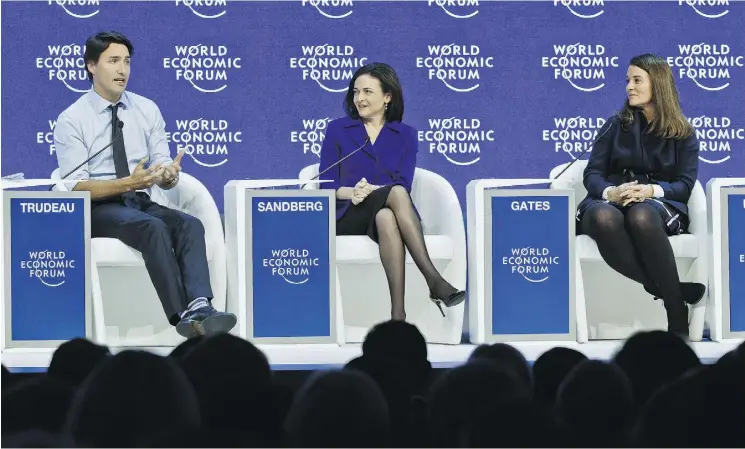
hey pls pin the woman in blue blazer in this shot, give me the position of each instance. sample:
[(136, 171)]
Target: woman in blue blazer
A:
[(373, 185), (639, 178)]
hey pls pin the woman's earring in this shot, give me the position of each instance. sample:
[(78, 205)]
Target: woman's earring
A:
[(386, 106)]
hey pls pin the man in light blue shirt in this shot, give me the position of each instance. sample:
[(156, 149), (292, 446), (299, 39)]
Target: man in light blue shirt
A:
[(119, 181)]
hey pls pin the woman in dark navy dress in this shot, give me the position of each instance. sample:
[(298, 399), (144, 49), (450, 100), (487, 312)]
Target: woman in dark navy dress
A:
[(639, 178), (373, 186)]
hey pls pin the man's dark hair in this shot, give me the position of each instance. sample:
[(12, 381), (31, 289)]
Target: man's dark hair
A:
[(97, 44)]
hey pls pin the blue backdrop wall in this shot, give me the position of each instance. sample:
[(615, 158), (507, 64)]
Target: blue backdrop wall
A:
[(495, 88)]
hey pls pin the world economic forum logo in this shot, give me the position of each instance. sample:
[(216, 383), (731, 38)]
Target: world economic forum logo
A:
[(65, 63), (80, 9), (205, 67), (457, 9), (205, 9), (49, 267), (711, 9), (206, 141), (457, 139), (716, 135), (583, 66), (459, 67), (311, 135), (533, 264), (584, 9), (330, 66), (331, 9), (291, 264)]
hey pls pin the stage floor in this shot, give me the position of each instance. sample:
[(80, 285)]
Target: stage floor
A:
[(316, 356)]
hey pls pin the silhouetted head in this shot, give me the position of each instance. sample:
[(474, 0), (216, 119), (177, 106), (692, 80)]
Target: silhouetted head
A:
[(338, 409), (234, 385), (131, 399), (652, 359), (40, 403), (550, 370), (461, 394), (594, 403), (515, 424), (75, 359), (504, 356)]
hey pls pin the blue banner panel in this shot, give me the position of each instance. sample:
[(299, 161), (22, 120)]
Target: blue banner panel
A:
[(495, 89), (530, 265), (736, 263), (291, 265), (47, 268)]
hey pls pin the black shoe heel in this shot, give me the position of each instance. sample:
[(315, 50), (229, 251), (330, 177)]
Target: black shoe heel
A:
[(452, 300), (438, 303), (692, 292)]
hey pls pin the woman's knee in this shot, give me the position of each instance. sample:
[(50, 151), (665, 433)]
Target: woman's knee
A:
[(398, 194), (603, 217), (385, 220), (643, 217)]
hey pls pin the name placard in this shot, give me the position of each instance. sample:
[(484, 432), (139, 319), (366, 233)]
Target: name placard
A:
[(530, 265), (47, 266)]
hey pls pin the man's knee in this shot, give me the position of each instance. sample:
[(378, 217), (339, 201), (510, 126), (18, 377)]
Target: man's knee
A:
[(155, 228), (193, 225), (386, 220)]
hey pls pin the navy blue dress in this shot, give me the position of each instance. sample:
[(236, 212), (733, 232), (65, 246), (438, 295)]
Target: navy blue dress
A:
[(624, 155)]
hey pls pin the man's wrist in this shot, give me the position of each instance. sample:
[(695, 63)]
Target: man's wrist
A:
[(172, 182)]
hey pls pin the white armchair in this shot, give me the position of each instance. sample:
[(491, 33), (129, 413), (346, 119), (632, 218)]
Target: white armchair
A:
[(362, 282), (131, 314), (610, 306)]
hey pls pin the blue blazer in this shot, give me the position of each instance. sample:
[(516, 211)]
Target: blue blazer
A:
[(621, 156), (390, 160)]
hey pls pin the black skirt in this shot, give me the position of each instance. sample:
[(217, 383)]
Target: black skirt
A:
[(360, 219), (676, 222)]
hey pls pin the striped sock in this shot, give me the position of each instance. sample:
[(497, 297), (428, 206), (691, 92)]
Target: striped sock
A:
[(196, 304)]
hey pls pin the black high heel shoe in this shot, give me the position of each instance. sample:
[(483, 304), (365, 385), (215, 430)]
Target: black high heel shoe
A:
[(452, 300), (692, 292)]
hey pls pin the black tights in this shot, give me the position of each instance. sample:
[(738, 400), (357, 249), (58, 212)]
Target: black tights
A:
[(634, 243), (398, 225)]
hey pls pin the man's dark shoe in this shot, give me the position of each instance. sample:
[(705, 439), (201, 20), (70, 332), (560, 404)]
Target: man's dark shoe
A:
[(205, 321)]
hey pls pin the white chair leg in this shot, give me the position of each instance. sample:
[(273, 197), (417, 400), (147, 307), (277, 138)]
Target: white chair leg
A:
[(581, 308), (99, 323), (340, 334)]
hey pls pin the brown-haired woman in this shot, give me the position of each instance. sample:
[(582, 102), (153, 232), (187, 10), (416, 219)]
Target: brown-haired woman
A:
[(639, 178)]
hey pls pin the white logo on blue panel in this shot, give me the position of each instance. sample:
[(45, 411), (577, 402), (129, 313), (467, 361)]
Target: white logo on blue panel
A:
[(707, 65), (533, 264), (457, 139), (457, 9), (206, 9), (584, 9), (203, 65), (206, 141), (582, 65), (331, 9), (459, 67), (49, 267), (711, 9), (295, 266), (80, 9), (65, 63), (330, 66), (715, 137), (573, 135), (311, 135)]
